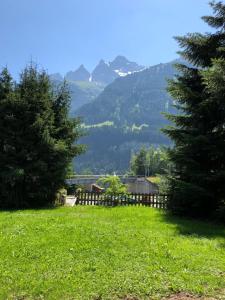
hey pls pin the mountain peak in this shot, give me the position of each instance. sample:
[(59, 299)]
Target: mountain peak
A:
[(81, 67), (81, 74), (102, 62), (103, 73), (122, 65), (120, 59), (119, 67)]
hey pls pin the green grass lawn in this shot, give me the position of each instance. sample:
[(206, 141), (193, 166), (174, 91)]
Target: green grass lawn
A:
[(108, 253)]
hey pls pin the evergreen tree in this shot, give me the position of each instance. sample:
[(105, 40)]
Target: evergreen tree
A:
[(37, 139), (138, 164), (10, 172), (196, 184)]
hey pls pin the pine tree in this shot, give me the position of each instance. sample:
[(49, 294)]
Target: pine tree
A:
[(196, 184), (37, 139), (138, 164), (10, 172)]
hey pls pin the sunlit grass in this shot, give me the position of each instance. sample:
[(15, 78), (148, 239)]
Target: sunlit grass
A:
[(107, 253)]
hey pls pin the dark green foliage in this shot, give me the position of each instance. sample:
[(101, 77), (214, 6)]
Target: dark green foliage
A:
[(112, 185), (36, 139), (71, 189), (138, 164), (149, 162), (197, 181)]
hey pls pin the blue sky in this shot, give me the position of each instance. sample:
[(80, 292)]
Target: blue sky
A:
[(61, 34)]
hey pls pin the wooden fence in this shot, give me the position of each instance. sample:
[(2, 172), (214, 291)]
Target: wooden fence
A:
[(152, 200)]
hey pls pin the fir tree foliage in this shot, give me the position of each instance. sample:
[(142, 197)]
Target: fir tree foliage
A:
[(138, 163), (36, 139), (197, 181)]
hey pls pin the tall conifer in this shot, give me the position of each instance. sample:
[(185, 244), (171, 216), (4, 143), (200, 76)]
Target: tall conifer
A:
[(197, 181), (37, 139)]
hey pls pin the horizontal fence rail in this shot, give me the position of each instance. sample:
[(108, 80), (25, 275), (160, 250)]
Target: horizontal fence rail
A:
[(101, 199)]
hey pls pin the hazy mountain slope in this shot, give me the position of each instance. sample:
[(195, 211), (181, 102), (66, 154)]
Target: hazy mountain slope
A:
[(83, 92), (103, 73), (86, 86)]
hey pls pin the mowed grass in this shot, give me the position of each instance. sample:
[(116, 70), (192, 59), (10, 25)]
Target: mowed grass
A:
[(108, 253)]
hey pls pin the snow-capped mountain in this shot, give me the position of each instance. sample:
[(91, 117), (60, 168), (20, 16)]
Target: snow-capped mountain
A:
[(122, 66), (119, 67), (85, 86), (104, 73)]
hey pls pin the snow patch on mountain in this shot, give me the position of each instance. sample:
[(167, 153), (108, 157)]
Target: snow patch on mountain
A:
[(123, 74)]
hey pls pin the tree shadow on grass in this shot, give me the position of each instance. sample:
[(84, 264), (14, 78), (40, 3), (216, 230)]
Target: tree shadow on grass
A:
[(193, 227), (17, 209)]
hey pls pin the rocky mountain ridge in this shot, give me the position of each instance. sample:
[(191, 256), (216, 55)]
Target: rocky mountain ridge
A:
[(104, 73)]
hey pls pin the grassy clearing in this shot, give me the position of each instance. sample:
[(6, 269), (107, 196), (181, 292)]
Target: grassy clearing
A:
[(99, 125), (107, 253)]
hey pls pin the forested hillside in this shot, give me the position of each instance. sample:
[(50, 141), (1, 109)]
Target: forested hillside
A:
[(83, 92), (126, 115)]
